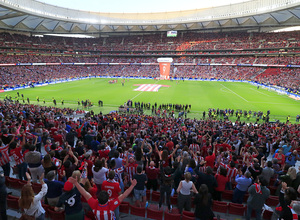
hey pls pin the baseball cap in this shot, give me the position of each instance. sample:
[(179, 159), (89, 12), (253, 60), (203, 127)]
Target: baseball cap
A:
[(68, 186)]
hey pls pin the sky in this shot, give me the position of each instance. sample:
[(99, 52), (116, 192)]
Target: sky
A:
[(141, 6)]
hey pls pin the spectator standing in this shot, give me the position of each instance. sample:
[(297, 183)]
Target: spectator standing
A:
[(99, 173), (152, 175), (140, 188), (3, 195), (17, 152), (291, 158), (203, 203), (113, 189), (102, 208), (34, 160), (31, 203), (184, 192), (71, 201), (267, 172), (222, 179), (243, 182), (54, 188), (4, 158), (258, 194)]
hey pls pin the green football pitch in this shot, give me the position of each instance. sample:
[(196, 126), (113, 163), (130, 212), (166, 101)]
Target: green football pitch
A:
[(201, 95)]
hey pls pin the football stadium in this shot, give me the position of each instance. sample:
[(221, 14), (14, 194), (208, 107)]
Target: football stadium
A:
[(149, 110)]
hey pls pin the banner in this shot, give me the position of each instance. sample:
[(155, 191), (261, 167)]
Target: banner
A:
[(164, 67)]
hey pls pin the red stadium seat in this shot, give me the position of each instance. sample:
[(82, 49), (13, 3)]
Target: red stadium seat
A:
[(171, 216), (272, 190), (267, 215), (14, 183), (187, 213), (236, 209), (154, 214), (36, 187), (13, 202), (186, 217), (148, 194), (272, 201), (155, 196), (173, 200), (227, 195), (124, 207), (137, 211), (56, 215), (220, 207)]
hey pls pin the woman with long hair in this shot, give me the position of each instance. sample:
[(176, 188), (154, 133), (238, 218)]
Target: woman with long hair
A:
[(30, 203), (203, 203), (99, 173)]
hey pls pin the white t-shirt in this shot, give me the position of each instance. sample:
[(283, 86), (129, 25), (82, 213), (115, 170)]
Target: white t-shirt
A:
[(99, 176)]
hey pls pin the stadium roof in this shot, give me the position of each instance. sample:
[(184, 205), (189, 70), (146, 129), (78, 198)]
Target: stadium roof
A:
[(41, 18)]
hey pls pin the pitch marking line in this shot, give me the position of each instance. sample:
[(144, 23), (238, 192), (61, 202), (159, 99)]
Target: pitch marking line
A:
[(259, 92), (235, 93)]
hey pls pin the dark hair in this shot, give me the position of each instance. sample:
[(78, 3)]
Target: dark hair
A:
[(203, 192), (31, 148), (223, 171), (67, 164), (192, 163), (111, 175), (164, 155), (269, 164), (232, 164), (139, 169), (98, 165), (138, 154), (13, 145), (168, 170), (116, 154), (103, 197), (209, 170), (112, 163), (50, 175), (262, 180)]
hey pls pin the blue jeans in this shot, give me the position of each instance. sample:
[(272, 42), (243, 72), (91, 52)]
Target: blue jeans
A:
[(122, 186), (238, 196), (117, 213), (22, 169), (249, 212)]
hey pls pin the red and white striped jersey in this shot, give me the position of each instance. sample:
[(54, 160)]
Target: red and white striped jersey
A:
[(4, 155), (194, 148), (118, 172), (131, 169), (106, 211), (231, 172)]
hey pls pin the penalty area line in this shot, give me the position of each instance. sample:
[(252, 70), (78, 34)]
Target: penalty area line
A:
[(235, 93)]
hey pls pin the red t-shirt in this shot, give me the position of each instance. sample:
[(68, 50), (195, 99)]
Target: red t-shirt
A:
[(112, 188), (210, 160), (17, 155), (106, 211), (152, 173), (103, 153), (222, 180)]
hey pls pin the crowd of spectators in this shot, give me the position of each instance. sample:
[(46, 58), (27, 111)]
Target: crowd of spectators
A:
[(98, 156), (156, 42)]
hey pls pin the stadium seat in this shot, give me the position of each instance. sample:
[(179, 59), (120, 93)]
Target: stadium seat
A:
[(154, 214), (36, 187), (22, 183), (13, 202), (173, 200), (137, 211), (14, 183), (148, 194), (186, 217), (267, 215), (90, 215), (272, 201), (236, 209), (56, 215), (246, 196), (46, 207), (155, 196), (187, 213), (220, 207), (171, 216), (272, 190), (124, 207), (227, 195)]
